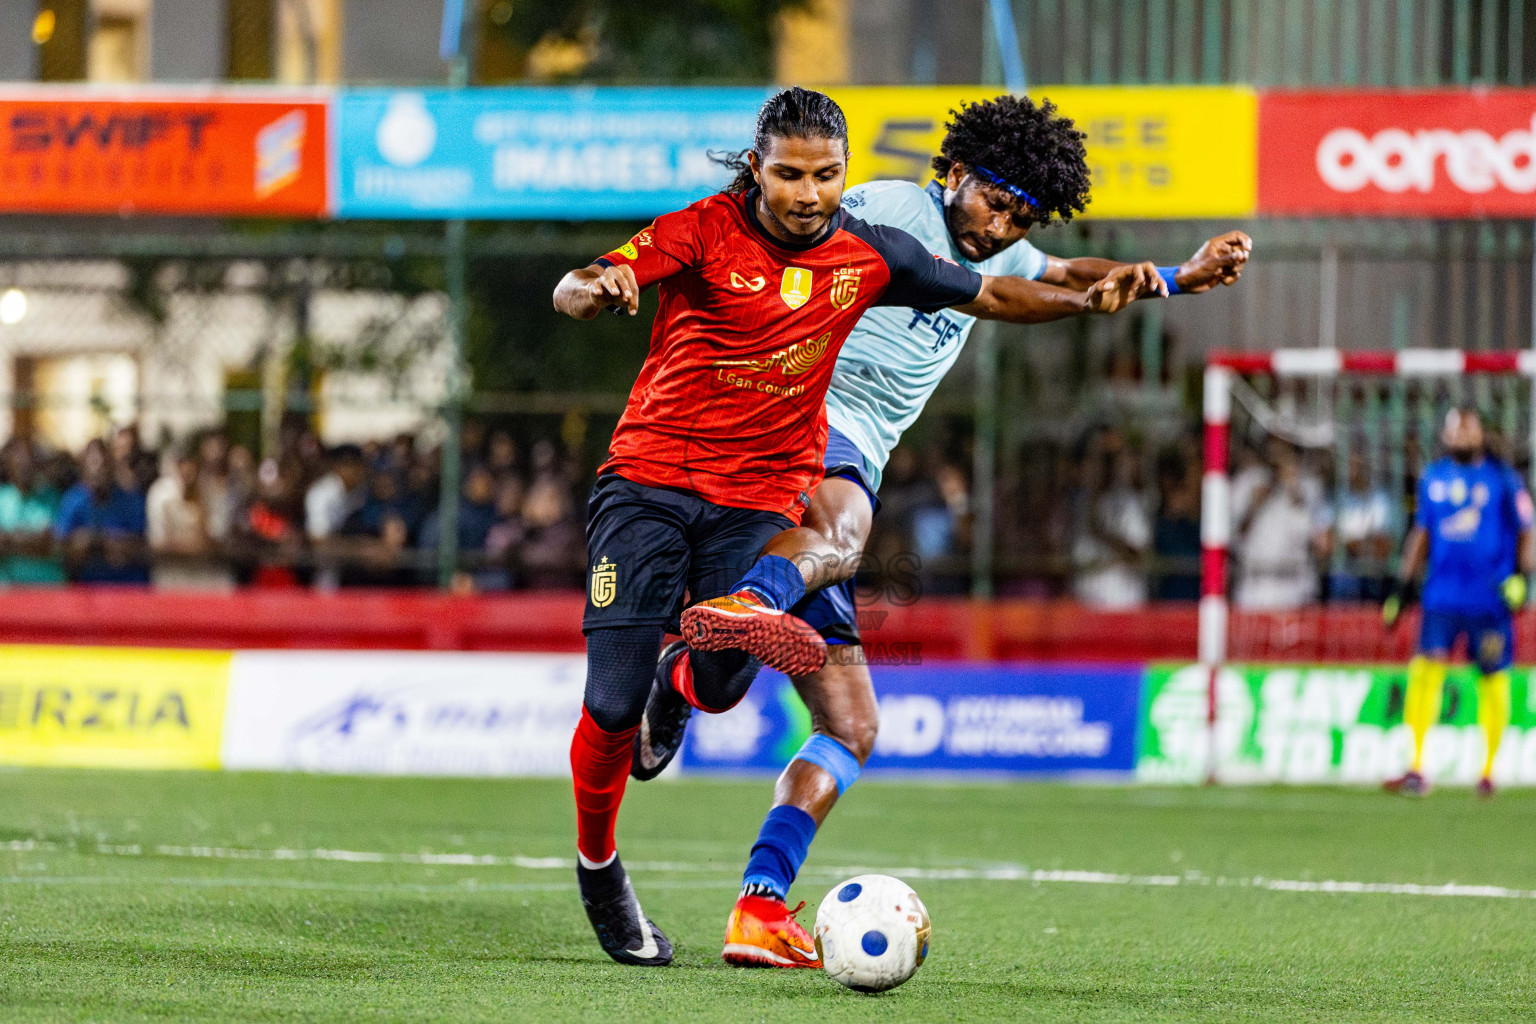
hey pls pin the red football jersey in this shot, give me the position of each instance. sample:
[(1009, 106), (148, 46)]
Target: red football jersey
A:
[(730, 402)]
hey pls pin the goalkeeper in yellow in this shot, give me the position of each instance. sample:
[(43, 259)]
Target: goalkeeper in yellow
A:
[(1472, 526)]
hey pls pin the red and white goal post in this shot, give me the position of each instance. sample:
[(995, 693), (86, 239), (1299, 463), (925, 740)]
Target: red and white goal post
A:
[(1330, 380)]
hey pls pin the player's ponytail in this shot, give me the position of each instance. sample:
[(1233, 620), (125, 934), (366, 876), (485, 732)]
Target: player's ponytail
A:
[(792, 113)]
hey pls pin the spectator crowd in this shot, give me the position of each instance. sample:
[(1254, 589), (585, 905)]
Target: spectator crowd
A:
[(1112, 524), (1103, 520), (207, 514)]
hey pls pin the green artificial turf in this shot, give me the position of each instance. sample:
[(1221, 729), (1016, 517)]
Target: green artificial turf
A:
[(141, 896)]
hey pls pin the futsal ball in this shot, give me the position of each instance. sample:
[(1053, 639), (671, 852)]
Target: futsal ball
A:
[(872, 932)]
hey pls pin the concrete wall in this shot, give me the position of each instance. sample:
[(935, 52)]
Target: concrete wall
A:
[(186, 41), (18, 55), (392, 41)]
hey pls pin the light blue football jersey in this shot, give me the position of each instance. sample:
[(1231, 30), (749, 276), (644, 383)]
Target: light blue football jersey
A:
[(895, 357)]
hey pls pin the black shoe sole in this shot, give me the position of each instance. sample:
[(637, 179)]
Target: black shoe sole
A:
[(660, 690)]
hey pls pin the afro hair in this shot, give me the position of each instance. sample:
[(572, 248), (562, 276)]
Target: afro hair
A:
[(1031, 147)]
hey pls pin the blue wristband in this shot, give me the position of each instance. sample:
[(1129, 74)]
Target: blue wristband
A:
[(1168, 275)]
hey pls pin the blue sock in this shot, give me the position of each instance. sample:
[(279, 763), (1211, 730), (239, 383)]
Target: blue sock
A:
[(780, 849), (776, 580), (787, 832)]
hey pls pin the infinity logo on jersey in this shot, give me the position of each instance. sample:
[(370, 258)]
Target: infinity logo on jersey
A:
[(605, 583), (792, 359), (845, 287), (795, 288), (751, 284)]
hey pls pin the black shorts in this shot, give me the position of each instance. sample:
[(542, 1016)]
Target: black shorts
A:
[(648, 547)]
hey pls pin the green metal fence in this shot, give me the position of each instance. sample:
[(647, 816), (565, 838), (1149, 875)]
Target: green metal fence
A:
[(1352, 43)]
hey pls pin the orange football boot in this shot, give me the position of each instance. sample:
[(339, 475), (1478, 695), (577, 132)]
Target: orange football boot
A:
[(742, 621), (763, 932)]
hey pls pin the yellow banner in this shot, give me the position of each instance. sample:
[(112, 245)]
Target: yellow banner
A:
[(1155, 152), (100, 707)]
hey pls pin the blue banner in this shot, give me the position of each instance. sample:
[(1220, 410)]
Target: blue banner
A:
[(1031, 719), (584, 153)]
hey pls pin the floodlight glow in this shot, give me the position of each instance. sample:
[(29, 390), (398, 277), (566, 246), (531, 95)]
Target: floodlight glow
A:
[(13, 306)]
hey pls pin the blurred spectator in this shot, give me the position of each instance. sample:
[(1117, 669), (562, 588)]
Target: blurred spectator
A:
[(501, 454), (477, 514), (376, 538), (101, 524), (504, 537), (1114, 534), (1176, 532), (273, 527), (913, 520), (330, 502), (133, 467), (218, 492), (337, 494), (29, 507), (1364, 530), (553, 548), (185, 554), (1281, 532)]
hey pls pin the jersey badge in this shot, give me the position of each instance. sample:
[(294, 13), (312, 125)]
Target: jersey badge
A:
[(752, 284), (605, 583), (845, 287), (631, 249), (795, 287)]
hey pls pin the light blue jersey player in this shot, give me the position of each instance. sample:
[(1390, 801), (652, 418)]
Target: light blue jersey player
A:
[(1007, 166), (1472, 527)]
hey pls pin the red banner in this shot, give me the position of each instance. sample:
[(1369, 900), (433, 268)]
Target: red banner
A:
[(1420, 154), (75, 152)]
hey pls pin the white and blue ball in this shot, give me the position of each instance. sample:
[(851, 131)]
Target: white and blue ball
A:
[(872, 932)]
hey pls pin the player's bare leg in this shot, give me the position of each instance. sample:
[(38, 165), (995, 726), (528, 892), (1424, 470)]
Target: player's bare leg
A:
[(762, 931), (825, 549)]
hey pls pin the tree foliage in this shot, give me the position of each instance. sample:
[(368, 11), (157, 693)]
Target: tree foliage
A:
[(675, 41)]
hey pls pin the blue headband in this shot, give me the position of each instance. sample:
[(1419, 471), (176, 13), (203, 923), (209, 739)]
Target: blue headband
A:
[(1001, 182)]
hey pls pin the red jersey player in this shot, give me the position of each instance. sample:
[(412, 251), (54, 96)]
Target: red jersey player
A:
[(720, 445)]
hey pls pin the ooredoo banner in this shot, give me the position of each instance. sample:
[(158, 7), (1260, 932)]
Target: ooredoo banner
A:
[(1420, 154), (78, 151)]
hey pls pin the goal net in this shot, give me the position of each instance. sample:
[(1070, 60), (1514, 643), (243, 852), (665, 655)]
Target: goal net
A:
[(1312, 457)]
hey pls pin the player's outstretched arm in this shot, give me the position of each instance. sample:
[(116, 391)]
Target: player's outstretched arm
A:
[(1219, 261), (1022, 301), (584, 293)]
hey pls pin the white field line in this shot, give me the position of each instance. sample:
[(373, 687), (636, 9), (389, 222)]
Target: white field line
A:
[(1001, 873)]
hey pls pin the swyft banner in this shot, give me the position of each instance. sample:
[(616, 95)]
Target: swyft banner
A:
[(1434, 154), (235, 153)]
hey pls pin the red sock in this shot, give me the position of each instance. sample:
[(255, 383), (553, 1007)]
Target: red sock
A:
[(600, 768)]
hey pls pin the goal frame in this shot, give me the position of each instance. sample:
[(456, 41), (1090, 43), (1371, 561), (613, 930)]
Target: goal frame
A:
[(1221, 371)]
